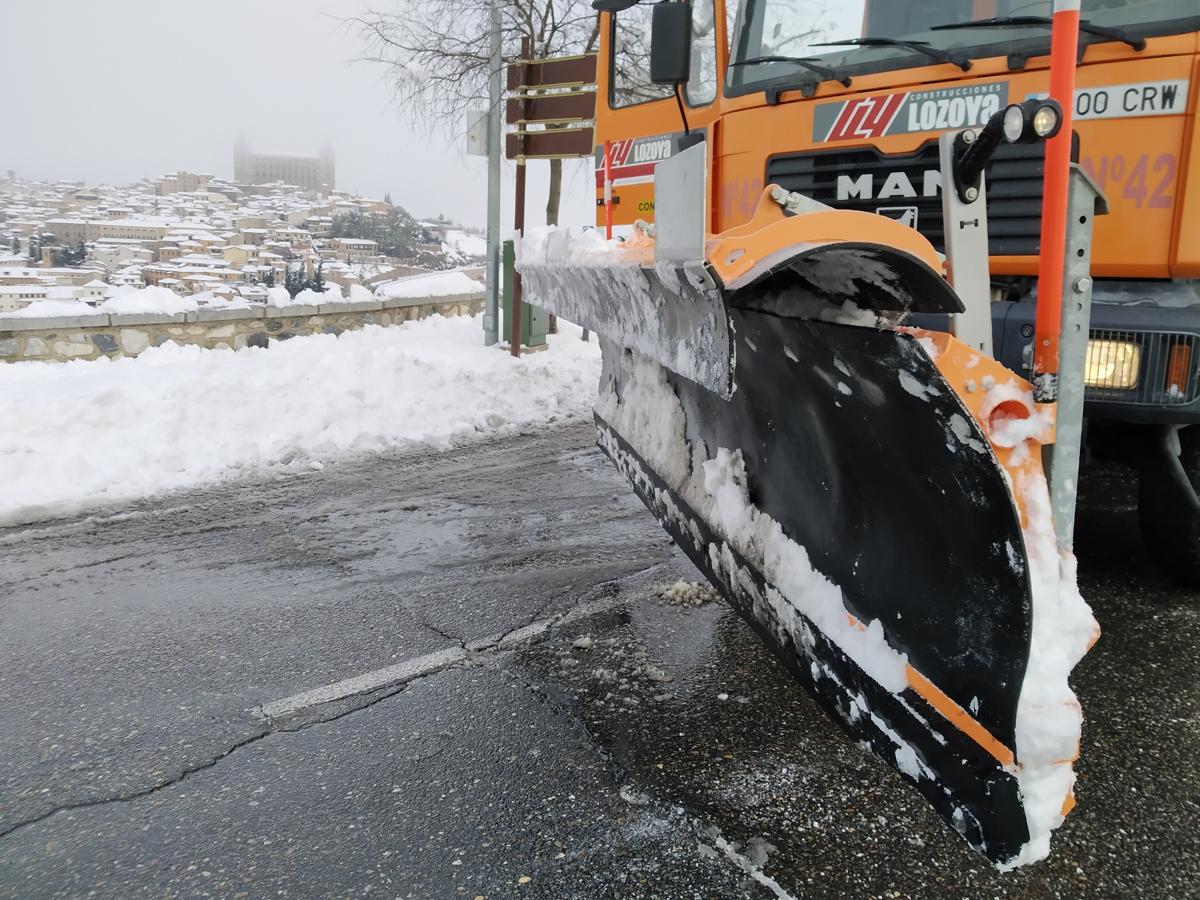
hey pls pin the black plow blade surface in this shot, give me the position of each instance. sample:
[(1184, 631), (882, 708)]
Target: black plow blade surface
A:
[(856, 446)]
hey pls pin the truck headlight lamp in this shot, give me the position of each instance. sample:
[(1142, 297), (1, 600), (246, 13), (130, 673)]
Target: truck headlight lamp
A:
[(1112, 365)]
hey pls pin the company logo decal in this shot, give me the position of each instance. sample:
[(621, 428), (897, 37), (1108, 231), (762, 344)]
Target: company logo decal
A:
[(889, 185), (905, 215), (633, 159), (908, 112)]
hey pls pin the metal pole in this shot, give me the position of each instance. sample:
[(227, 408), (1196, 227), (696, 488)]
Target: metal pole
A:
[(1085, 203), (491, 316), (519, 228), (1064, 48)]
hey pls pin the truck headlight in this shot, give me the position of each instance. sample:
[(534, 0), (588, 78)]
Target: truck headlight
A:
[(1112, 364)]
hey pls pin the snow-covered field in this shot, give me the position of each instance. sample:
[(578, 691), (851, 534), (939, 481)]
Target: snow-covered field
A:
[(465, 244), (84, 435)]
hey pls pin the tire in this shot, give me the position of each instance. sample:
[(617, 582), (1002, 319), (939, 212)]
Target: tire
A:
[(1169, 521)]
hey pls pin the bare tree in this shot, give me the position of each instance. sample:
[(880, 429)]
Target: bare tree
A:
[(438, 53)]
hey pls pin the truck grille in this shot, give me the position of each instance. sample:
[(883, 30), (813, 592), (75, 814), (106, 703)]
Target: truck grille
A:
[(1163, 374), (1014, 184)]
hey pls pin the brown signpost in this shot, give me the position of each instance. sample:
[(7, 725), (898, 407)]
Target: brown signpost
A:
[(556, 144), (560, 72), (568, 107), (550, 95)]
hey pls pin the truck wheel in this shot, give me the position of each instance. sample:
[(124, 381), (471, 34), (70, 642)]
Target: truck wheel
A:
[(1169, 519)]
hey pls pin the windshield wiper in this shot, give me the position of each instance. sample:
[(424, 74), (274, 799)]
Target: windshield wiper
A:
[(1116, 34), (826, 73), (946, 56)]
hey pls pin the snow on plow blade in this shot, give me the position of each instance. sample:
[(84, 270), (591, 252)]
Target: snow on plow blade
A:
[(870, 499)]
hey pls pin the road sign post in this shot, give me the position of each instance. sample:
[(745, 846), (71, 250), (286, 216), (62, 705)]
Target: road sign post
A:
[(552, 104), (491, 315)]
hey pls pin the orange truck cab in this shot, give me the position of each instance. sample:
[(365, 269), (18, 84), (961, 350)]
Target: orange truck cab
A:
[(845, 105)]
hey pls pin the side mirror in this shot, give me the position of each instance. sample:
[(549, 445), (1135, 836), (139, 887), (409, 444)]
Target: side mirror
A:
[(671, 42), (613, 6)]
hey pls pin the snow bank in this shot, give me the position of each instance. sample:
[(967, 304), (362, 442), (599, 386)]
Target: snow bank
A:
[(550, 244), (109, 431), (279, 297), (436, 284), (45, 309), (149, 300)]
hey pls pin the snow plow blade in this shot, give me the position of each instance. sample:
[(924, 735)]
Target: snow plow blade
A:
[(869, 498)]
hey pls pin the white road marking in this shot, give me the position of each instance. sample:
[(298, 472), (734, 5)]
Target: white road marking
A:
[(431, 662), (362, 684), (510, 639)]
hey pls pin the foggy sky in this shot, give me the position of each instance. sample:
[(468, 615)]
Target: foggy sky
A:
[(114, 90)]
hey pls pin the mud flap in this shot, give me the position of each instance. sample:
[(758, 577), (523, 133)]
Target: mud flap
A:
[(856, 446)]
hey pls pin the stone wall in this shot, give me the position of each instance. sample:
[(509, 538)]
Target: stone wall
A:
[(90, 337)]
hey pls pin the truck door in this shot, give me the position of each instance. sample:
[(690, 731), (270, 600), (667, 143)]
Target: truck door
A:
[(641, 119)]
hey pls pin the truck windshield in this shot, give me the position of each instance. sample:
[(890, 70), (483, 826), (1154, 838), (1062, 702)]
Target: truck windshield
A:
[(796, 28)]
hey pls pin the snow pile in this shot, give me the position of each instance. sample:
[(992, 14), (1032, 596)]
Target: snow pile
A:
[(279, 297), (45, 309), (149, 300), (331, 294), (551, 244), (435, 284), (360, 294), (687, 593), (110, 431)]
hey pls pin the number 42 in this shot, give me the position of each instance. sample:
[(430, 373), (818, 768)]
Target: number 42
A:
[(1135, 178)]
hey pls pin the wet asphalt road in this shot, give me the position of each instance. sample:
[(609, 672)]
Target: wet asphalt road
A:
[(667, 755)]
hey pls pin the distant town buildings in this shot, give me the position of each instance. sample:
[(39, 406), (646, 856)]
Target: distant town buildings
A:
[(182, 181), (313, 173), (214, 238)]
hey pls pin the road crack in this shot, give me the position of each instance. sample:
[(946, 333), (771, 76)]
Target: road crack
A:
[(486, 651), (139, 794), (269, 729)]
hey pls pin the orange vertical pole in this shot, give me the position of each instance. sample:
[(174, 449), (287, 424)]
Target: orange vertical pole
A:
[(1064, 49), (608, 198)]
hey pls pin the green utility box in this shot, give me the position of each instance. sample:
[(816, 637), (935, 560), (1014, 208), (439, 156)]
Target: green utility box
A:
[(534, 322)]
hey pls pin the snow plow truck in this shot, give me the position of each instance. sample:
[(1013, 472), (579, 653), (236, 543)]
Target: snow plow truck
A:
[(870, 495)]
